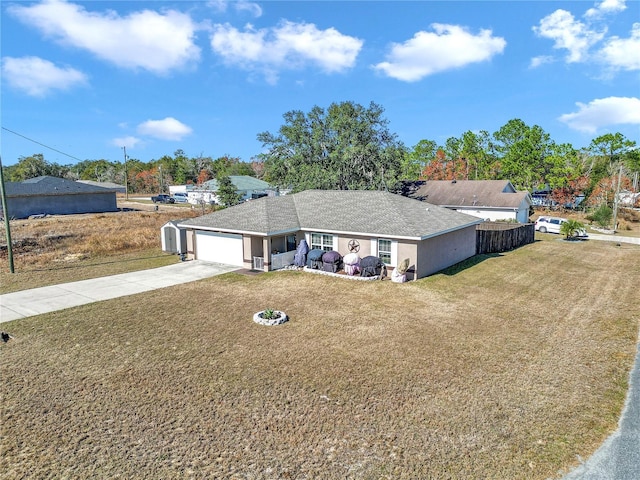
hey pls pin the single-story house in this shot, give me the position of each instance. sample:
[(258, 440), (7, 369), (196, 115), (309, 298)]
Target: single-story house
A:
[(56, 196), (116, 187), (488, 199), (264, 233), (248, 187)]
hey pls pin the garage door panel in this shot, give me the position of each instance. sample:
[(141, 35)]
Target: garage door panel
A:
[(219, 248)]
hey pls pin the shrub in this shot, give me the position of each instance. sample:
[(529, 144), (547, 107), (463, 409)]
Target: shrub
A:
[(602, 215), (571, 228)]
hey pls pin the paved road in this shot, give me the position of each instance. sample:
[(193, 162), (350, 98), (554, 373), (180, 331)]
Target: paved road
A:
[(614, 238), (619, 456), (26, 303)]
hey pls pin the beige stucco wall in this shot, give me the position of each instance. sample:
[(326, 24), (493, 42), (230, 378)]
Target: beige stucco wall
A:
[(343, 245), (437, 253)]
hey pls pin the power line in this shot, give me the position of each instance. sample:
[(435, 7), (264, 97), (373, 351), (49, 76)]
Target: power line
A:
[(46, 146)]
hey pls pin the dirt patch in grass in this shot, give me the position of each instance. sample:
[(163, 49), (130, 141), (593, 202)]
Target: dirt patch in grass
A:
[(508, 368)]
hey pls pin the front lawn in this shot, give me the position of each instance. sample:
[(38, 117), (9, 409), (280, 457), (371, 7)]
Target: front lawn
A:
[(508, 368)]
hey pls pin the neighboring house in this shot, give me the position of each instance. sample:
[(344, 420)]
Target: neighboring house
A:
[(108, 185), (629, 199), (264, 233), (248, 187), (56, 196), (488, 199)]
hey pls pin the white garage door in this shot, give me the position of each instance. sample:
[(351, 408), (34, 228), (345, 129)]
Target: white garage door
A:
[(219, 247)]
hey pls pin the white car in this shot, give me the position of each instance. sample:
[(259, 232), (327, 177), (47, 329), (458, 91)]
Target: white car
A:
[(553, 225)]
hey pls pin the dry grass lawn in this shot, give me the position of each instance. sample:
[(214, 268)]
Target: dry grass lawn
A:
[(67, 248), (507, 368)]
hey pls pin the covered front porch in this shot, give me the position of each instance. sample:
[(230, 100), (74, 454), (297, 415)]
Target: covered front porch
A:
[(268, 253)]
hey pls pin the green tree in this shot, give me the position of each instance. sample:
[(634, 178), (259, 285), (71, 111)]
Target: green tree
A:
[(32, 167), (346, 147), (522, 151), (610, 149), (416, 160), (227, 193), (476, 149)]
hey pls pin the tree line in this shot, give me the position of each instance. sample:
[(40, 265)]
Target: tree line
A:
[(350, 146), (142, 177)]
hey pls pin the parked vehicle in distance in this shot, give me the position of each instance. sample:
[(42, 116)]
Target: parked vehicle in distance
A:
[(553, 224), (163, 198), (180, 197)]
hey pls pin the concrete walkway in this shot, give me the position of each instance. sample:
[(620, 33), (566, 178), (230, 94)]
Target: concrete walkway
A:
[(26, 303)]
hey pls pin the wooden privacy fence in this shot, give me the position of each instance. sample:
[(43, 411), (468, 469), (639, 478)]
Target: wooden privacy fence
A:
[(496, 237)]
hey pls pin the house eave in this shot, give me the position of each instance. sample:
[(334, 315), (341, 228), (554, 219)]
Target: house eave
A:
[(237, 231)]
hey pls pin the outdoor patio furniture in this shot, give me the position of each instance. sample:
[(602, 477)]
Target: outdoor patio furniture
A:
[(331, 261), (351, 263), (300, 258), (314, 258), (371, 266), (399, 274)]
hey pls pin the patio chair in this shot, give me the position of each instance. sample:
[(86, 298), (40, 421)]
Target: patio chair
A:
[(300, 258), (399, 274), (372, 266), (331, 261), (314, 258), (351, 263)]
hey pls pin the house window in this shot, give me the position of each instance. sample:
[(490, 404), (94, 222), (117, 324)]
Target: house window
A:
[(384, 250), (291, 243), (322, 241)]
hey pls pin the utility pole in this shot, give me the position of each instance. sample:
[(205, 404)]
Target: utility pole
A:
[(7, 226), (615, 200), (126, 175)]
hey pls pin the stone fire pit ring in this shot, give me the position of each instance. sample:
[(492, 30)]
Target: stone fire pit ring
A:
[(280, 318)]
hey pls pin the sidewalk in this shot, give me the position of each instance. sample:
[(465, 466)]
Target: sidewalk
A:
[(26, 303)]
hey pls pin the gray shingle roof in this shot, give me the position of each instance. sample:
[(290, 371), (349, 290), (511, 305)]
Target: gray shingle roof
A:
[(46, 185), (466, 193), (337, 211)]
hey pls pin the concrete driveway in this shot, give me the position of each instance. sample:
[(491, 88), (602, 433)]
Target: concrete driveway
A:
[(26, 303)]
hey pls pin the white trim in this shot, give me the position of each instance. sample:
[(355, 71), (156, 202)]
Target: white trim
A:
[(374, 247), (394, 252)]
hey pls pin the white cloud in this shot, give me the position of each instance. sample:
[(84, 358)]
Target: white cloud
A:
[(38, 77), (157, 42), (587, 40), (603, 112), (167, 129), (446, 48), (288, 46), (620, 53), (252, 8), (569, 34), (541, 60), (128, 142), (606, 6)]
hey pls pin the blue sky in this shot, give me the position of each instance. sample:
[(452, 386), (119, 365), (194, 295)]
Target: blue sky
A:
[(88, 78)]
